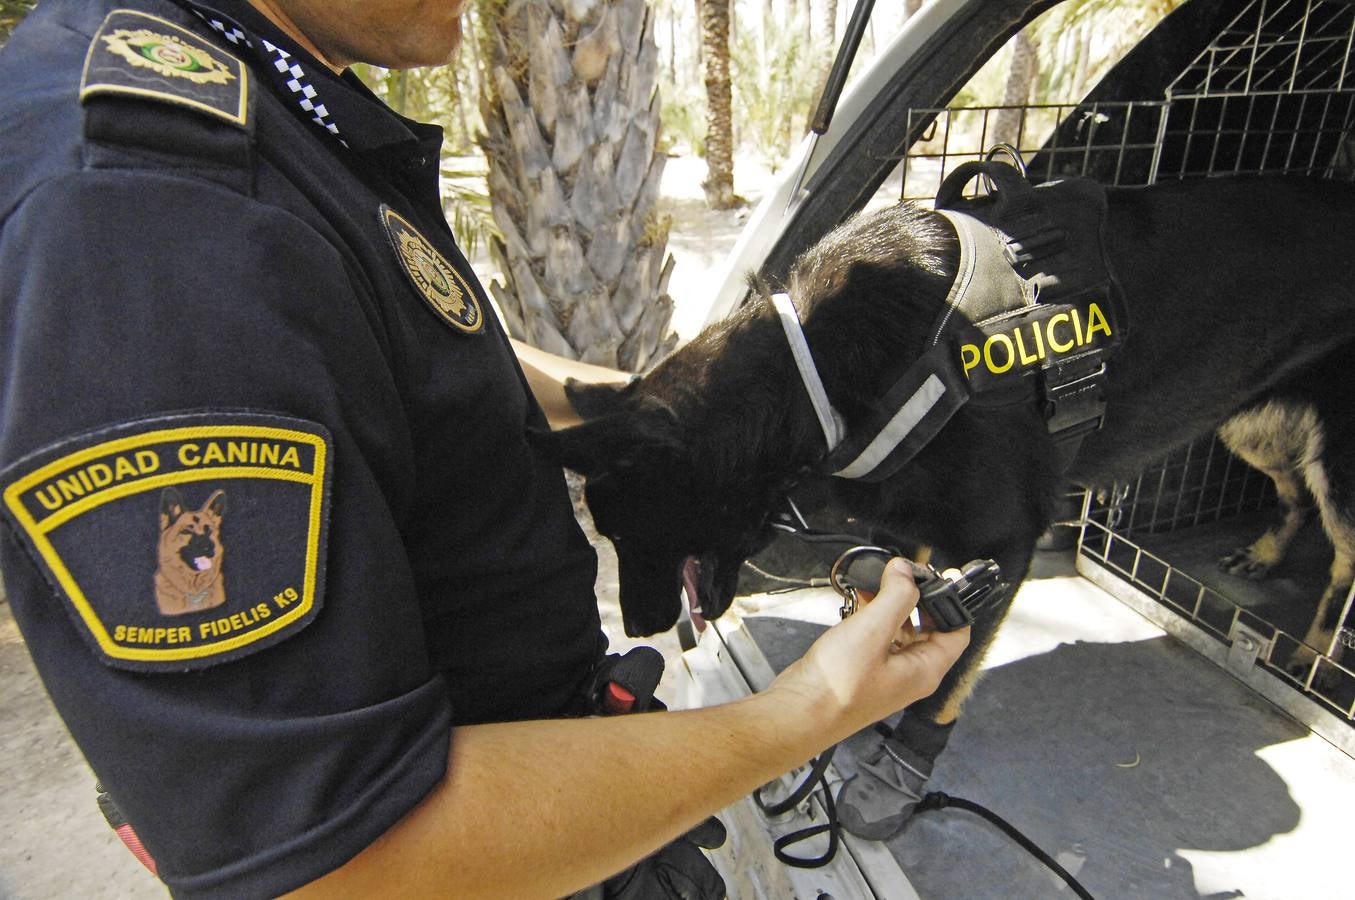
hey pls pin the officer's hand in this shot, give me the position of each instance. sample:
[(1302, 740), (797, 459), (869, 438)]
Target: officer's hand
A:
[(873, 663)]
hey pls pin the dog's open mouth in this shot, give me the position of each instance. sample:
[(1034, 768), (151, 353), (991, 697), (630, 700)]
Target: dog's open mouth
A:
[(198, 554), (691, 575)]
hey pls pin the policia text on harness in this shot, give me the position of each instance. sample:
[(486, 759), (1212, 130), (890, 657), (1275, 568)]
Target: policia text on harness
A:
[(1033, 315)]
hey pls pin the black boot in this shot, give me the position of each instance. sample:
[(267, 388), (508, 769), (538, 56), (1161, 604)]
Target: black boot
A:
[(878, 801)]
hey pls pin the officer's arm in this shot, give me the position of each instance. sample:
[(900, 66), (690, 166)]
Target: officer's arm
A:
[(546, 374), (540, 809)]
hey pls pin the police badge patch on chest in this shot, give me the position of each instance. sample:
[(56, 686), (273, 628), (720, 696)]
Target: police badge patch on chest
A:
[(440, 285), (182, 541)]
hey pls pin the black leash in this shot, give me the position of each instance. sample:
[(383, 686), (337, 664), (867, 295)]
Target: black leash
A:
[(932, 800), (939, 800), (817, 767), (796, 526)]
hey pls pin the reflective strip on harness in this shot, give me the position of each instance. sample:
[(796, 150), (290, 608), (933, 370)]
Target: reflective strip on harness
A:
[(930, 391), (829, 420), (910, 414), (905, 420)]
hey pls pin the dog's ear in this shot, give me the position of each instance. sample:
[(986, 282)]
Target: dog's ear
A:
[(171, 507), (216, 504), (593, 401), (617, 439)]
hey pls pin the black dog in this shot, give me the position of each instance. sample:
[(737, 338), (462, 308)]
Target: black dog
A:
[(1240, 301)]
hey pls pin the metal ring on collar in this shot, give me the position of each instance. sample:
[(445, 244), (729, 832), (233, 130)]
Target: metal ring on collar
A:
[(1002, 148), (844, 561)]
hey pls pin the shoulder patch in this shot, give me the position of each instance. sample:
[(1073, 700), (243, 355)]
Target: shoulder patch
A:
[(437, 281), (183, 541), (137, 54)]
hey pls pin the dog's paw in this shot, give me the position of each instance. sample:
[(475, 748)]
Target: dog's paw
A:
[(1243, 563), (1300, 663), (1317, 641)]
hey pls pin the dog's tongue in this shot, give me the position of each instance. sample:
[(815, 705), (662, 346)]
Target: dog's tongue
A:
[(691, 568), (202, 563)]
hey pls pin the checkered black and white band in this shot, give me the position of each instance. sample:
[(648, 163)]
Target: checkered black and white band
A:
[(289, 72)]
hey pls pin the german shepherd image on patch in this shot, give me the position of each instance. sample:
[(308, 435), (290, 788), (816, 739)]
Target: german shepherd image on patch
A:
[(189, 577), (1239, 307)]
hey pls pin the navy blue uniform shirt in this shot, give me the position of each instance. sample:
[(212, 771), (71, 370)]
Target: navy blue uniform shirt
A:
[(273, 521)]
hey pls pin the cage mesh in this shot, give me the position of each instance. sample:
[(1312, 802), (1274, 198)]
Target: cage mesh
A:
[(1272, 93)]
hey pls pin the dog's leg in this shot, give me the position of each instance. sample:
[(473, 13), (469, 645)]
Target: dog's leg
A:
[(1275, 439), (944, 705), (880, 799), (1287, 441), (1328, 620), (1340, 528)]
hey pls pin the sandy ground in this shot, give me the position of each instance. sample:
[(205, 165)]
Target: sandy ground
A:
[(53, 840), (701, 237)]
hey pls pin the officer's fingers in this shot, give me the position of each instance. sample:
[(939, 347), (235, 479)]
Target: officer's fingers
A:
[(934, 652), (952, 643), (890, 608)]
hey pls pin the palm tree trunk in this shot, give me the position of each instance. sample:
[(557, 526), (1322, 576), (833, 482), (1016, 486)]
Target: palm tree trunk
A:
[(1021, 75), (571, 137), (719, 183)]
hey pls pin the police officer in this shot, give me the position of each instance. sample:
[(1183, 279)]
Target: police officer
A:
[(308, 600)]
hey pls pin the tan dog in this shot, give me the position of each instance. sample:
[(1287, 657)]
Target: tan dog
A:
[(189, 578)]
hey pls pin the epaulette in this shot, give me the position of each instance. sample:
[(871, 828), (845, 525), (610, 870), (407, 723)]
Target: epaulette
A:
[(139, 55)]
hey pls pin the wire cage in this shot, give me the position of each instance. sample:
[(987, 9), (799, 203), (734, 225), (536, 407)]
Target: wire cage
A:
[(1273, 92)]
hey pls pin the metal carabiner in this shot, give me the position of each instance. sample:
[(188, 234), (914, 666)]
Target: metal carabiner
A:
[(848, 591), (849, 602)]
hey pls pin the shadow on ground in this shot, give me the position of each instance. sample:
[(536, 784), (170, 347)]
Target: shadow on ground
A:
[(1111, 757)]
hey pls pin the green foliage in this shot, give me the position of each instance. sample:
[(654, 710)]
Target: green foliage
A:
[(465, 201), (684, 110), (1077, 42), (684, 116), (11, 14), (1080, 40), (776, 75), (449, 96)]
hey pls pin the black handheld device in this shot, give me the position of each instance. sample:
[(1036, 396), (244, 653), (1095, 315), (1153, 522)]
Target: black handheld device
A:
[(952, 598)]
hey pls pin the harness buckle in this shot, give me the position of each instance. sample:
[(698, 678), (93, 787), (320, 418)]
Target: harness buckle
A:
[(1075, 403), (952, 598)]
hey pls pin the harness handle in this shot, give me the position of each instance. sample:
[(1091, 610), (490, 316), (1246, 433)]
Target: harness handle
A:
[(1011, 196)]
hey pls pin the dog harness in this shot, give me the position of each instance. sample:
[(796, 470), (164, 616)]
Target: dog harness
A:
[(1032, 316)]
